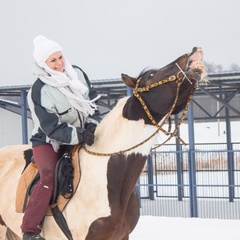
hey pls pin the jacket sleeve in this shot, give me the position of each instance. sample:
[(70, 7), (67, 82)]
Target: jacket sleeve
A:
[(54, 128), (48, 121)]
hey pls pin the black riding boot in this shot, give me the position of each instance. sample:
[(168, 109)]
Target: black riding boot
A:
[(32, 236)]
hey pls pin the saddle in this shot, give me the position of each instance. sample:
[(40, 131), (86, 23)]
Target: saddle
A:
[(67, 177)]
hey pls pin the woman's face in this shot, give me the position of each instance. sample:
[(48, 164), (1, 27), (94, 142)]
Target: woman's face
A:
[(56, 62)]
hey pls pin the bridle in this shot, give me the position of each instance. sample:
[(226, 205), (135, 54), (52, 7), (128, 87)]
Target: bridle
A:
[(179, 79)]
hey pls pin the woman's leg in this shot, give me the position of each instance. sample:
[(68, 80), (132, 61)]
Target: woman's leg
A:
[(45, 159)]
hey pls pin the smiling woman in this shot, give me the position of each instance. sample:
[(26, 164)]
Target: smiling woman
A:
[(56, 62), (61, 111)]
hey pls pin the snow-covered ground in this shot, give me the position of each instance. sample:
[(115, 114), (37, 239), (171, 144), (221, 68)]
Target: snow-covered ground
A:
[(177, 228), (163, 228), (209, 132)]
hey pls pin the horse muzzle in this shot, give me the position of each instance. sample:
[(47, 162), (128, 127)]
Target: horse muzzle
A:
[(195, 67)]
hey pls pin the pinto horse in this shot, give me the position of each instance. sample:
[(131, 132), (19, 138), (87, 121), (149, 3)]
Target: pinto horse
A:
[(105, 205)]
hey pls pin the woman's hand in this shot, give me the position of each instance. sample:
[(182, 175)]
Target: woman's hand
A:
[(86, 135)]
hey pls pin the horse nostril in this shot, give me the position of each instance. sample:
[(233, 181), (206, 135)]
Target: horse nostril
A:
[(195, 75), (195, 49)]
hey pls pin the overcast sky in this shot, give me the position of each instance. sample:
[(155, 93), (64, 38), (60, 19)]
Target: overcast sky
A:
[(110, 37)]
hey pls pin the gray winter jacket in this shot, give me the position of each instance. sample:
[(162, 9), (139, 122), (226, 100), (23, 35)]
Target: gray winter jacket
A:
[(53, 117), (55, 120)]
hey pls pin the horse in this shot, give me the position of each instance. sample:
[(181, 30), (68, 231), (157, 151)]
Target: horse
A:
[(105, 205)]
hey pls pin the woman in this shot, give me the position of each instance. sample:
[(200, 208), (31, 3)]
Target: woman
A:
[(60, 109)]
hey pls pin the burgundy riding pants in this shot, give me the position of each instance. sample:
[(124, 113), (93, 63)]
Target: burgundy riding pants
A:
[(45, 159)]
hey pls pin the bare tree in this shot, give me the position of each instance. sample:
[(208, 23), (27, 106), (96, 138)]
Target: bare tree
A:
[(234, 67), (212, 67)]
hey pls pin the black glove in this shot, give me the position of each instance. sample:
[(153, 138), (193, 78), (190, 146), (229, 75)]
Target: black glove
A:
[(85, 136), (91, 127), (96, 116)]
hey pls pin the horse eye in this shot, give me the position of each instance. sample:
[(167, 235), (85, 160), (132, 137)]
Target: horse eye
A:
[(151, 75)]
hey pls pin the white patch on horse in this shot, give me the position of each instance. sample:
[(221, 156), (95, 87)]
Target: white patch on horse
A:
[(125, 133)]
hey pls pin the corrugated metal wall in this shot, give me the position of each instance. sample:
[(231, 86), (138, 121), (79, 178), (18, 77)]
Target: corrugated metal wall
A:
[(11, 128)]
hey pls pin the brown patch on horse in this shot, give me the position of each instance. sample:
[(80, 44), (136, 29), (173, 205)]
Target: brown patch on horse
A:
[(1, 221), (123, 172)]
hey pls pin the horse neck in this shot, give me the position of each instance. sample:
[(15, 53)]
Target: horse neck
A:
[(116, 133), (115, 175)]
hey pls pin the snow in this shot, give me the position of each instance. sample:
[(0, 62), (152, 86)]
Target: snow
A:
[(179, 228), (164, 228), (209, 132)]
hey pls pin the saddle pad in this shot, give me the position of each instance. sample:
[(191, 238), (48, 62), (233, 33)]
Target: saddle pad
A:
[(29, 174)]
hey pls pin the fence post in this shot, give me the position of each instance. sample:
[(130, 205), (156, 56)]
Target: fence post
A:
[(150, 177), (129, 91), (191, 164), (24, 116), (179, 164), (138, 192), (230, 159)]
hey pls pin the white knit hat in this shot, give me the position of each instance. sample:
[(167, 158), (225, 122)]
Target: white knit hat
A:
[(43, 49)]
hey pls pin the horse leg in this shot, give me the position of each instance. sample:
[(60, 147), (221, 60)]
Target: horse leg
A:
[(132, 215)]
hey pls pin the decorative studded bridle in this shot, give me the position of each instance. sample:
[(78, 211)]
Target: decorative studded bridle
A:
[(178, 78)]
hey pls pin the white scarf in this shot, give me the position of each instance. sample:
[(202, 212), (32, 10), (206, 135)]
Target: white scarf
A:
[(69, 84)]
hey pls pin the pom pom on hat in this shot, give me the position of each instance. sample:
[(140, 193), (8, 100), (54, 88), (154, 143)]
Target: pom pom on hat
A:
[(43, 49)]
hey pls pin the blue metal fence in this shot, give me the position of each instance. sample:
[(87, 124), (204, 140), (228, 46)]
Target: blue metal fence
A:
[(200, 183)]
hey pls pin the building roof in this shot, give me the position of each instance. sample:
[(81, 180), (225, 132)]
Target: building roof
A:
[(113, 89), (227, 78)]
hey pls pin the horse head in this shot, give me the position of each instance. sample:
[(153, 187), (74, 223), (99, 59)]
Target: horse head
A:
[(166, 90)]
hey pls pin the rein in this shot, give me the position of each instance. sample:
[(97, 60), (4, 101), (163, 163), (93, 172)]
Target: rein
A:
[(179, 80)]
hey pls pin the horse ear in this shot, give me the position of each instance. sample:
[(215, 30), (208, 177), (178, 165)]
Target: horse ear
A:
[(129, 81)]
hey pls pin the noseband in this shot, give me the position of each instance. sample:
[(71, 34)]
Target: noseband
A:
[(178, 78)]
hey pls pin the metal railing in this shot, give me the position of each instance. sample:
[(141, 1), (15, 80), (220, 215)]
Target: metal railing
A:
[(173, 183)]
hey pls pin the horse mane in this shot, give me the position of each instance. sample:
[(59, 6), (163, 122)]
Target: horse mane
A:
[(144, 71)]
